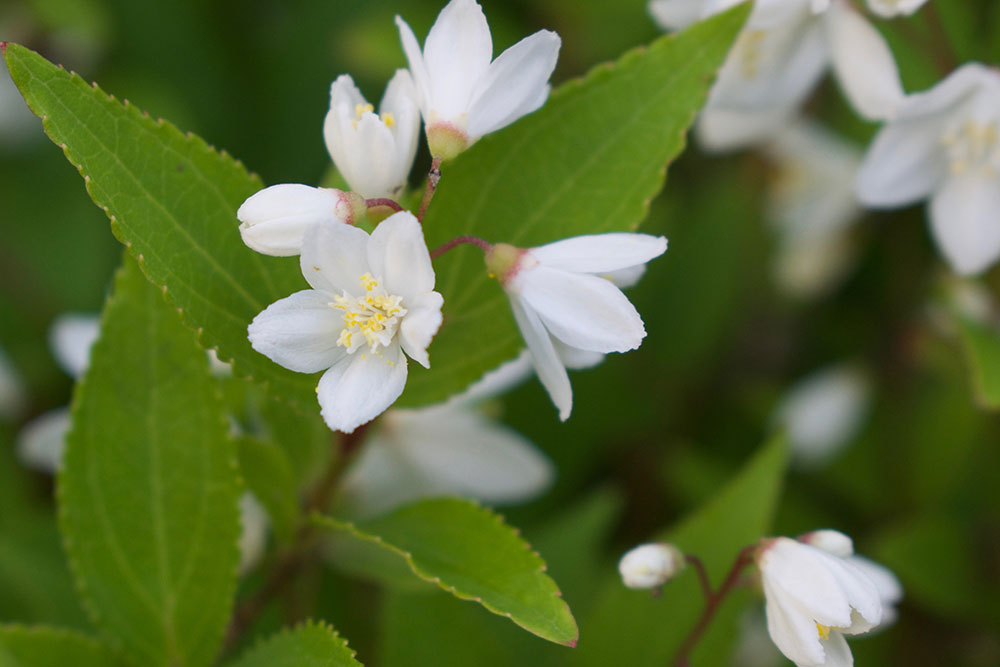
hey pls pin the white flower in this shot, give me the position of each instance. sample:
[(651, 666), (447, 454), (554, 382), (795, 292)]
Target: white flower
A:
[(890, 8), (253, 532), (778, 59), (71, 337), (372, 299), (944, 144), (812, 598), (462, 94), (275, 220), (812, 204), (822, 412), (650, 565), (564, 293), (373, 152)]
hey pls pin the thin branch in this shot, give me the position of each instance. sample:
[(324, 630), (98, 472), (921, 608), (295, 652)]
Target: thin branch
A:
[(383, 201), (706, 585), (433, 177), (460, 240)]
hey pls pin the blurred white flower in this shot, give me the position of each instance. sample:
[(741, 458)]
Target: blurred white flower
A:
[(254, 524), (274, 221), (563, 292), (650, 565), (831, 541), (12, 397), (373, 152), (462, 94), (778, 59), (944, 144), (372, 299), (890, 8), (811, 203), (823, 412), (71, 336), (812, 599)]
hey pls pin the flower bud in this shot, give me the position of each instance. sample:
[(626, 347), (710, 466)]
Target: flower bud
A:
[(650, 565), (831, 541), (275, 220)]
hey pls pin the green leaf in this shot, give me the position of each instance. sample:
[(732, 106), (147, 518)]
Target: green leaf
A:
[(309, 645), (589, 161), (269, 475), (172, 200), (642, 630), (468, 551), (148, 496), (982, 350), (52, 647)]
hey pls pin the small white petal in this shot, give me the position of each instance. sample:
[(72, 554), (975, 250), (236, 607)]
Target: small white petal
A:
[(275, 220), (949, 93), (415, 58), (576, 359), (515, 84), (457, 55), (334, 257), (548, 365), (890, 591), (581, 310), (837, 652), (504, 377), (831, 541), (890, 8), (299, 332), (627, 277), (803, 576), (794, 633), (675, 14), (360, 387), (728, 129), (965, 222), (863, 63), (70, 338), (398, 256), (904, 164), (422, 321), (253, 537), (650, 565), (41, 443), (600, 253)]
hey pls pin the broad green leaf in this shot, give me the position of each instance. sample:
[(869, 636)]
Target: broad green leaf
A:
[(22, 646), (982, 349), (148, 495), (309, 645), (468, 551), (269, 475), (643, 630), (172, 200), (589, 161)]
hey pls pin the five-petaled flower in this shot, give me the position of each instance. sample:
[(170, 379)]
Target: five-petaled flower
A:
[(462, 94), (944, 144), (565, 292), (371, 300)]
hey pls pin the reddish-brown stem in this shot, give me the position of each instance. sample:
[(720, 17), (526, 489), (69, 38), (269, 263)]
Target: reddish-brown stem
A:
[(433, 176), (383, 201), (699, 567), (714, 599), (460, 240)]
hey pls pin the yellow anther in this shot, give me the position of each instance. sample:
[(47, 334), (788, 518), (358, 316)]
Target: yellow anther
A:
[(374, 315), (824, 631), (360, 109), (368, 282), (388, 119)]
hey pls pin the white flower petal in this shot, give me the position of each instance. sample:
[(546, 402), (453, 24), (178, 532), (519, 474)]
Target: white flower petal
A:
[(794, 633), (837, 652), (675, 14), (299, 332), (890, 8), (890, 591), (41, 443), (574, 358), (965, 223), (275, 220), (627, 277), (422, 321), (600, 253), (863, 63), (581, 310), (495, 382), (253, 536), (728, 129), (360, 387), (334, 257), (398, 256), (904, 164), (802, 577), (457, 54), (515, 84), (70, 338), (415, 58), (949, 93), (548, 365)]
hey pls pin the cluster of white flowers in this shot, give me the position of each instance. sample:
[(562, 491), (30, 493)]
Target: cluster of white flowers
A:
[(372, 304)]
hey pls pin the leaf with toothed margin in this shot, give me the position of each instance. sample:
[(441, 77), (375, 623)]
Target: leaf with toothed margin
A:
[(22, 646), (308, 645), (587, 162), (172, 200), (470, 552), (149, 488)]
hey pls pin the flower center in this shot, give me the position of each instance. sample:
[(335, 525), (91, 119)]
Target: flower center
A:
[(749, 45), (360, 109), (371, 319), (972, 145)]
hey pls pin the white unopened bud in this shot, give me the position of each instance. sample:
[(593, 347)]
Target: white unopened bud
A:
[(650, 565), (275, 220), (833, 542)]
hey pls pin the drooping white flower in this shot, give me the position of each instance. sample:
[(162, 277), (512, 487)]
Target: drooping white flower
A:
[(372, 299), (563, 292), (812, 599), (373, 152), (812, 205), (462, 94), (823, 411), (274, 221), (944, 145), (890, 8), (650, 565), (778, 59)]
